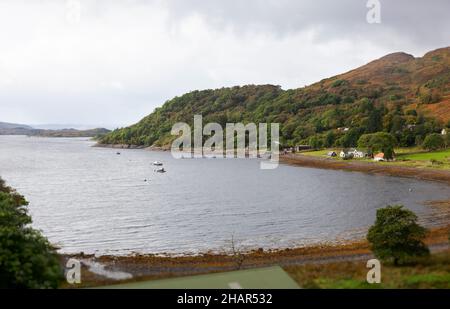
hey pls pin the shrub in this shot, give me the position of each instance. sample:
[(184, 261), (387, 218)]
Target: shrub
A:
[(411, 112), (396, 236), (338, 83), (380, 141), (27, 260), (433, 141)]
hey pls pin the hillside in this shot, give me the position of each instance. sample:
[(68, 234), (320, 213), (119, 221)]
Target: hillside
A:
[(70, 133), (13, 129), (7, 125), (407, 96)]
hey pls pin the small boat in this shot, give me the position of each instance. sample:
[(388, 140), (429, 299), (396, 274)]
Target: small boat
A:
[(157, 163), (160, 170), (118, 153)]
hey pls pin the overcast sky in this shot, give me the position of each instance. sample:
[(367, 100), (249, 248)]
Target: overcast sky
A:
[(110, 63)]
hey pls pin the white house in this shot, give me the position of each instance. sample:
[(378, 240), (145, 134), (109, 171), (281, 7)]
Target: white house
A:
[(444, 132), (410, 127), (352, 153), (346, 155), (358, 154), (343, 129)]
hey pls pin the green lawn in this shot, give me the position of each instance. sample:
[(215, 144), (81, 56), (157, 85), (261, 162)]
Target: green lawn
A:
[(263, 278), (429, 272), (433, 159), (410, 157), (432, 272), (426, 156), (320, 153)]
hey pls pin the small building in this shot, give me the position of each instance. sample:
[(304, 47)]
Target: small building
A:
[(332, 154), (302, 147), (346, 154), (379, 157), (444, 132), (411, 127), (342, 129), (359, 154), (352, 153)]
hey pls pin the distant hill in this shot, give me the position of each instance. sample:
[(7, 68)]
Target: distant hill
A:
[(70, 133), (400, 94), (6, 125), (16, 129), (58, 126)]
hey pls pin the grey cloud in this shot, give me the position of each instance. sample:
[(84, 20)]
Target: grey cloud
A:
[(424, 22), (126, 57)]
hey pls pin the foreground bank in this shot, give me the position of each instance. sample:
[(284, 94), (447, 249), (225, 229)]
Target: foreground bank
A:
[(306, 263)]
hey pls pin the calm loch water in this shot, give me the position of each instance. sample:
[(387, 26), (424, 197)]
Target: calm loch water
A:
[(90, 199)]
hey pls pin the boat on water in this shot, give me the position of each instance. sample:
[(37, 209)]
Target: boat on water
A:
[(157, 163), (160, 170)]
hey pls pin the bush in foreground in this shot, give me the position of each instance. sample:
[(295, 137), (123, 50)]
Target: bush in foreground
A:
[(27, 260), (396, 236)]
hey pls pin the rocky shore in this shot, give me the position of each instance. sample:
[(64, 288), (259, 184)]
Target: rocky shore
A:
[(147, 267), (119, 146)]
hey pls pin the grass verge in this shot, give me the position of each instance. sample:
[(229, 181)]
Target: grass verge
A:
[(432, 272)]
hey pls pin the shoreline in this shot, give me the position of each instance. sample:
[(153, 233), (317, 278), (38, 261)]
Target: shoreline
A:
[(118, 146), (153, 267), (373, 168)]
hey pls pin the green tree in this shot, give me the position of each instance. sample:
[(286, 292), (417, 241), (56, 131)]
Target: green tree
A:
[(411, 112), (389, 153), (27, 260), (315, 142), (350, 138), (380, 141), (330, 138), (434, 141), (374, 121), (396, 236), (407, 138), (446, 138)]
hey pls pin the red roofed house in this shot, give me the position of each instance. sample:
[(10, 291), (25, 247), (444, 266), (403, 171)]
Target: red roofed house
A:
[(379, 157)]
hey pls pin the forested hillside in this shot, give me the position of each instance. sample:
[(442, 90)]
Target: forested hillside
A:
[(406, 96)]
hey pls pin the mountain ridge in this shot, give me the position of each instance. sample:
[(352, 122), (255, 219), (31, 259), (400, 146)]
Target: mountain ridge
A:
[(392, 94)]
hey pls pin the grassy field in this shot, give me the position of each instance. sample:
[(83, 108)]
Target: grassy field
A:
[(433, 159), (434, 155), (410, 157), (432, 272), (427, 273), (320, 153), (263, 278)]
